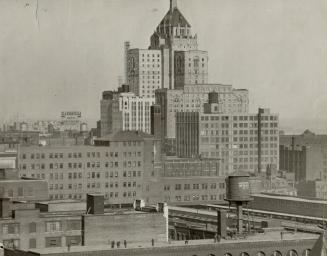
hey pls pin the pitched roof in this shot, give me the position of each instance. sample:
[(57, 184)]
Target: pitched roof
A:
[(175, 18), (320, 247)]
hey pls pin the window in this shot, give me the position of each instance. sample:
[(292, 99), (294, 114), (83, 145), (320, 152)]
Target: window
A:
[(53, 226), (53, 242), (10, 228), (11, 243), (32, 227), (32, 243), (73, 240)]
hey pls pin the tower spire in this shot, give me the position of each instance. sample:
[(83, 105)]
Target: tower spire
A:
[(173, 5)]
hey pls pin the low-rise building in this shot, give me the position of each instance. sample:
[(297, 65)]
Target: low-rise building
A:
[(26, 227), (115, 166), (312, 189), (182, 181), (306, 160), (289, 205)]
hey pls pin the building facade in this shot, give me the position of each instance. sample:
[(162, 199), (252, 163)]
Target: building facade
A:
[(131, 113), (187, 134), (173, 34), (312, 189), (28, 227), (144, 71), (191, 67), (234, 139), (123, 111), (181, 181), (115, 167), (304, 155), (192, 99)]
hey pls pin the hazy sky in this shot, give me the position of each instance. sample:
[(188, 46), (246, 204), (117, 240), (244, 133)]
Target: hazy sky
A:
[(61, 54)]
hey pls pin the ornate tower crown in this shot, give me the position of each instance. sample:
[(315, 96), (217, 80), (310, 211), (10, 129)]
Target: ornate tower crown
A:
[(174, 19)]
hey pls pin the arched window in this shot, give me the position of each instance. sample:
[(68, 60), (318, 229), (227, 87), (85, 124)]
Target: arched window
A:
[(227, 254), (292, 253), (306, 252), (210, 254), (261, 254), (244, 254), (276, 253)]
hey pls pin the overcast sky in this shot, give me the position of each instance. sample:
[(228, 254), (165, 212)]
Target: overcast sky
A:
[(61, 54)]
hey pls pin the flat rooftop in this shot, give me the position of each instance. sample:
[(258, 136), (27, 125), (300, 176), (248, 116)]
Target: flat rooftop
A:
[(273, 236), (290, 198)]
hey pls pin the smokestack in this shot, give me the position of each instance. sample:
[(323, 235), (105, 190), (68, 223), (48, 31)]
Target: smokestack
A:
[(126, 49)]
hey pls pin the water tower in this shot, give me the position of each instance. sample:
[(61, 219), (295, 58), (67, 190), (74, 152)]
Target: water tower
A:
[(238, 193)]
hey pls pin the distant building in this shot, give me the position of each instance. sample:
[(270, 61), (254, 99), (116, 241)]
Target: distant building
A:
[(71, 120), (116, 167), (232, 138), (131, 113), (312, 189), (125, 112), (191, 67), (20, 137), (186, 181), (308, 162), (156, 122), (192, 99), (305, 139), (106, 111), (174, 33), (144, 71), (15, 188), (278, 186), (187, 134)]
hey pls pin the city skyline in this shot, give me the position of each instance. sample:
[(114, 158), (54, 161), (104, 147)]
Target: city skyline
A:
[(78, 41)]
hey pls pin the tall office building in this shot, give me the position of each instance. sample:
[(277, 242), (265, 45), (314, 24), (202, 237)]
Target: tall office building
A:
[(106, 112), (247, 141), (131, 113), (192, 98), (187, 132), (174, 33), (123, 111), (191, 67), (144, 71)]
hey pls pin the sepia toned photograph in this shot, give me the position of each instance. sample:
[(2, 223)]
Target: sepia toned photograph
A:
[(163, 127)]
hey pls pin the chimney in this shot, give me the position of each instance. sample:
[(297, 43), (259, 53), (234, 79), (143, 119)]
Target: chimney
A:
[(173, 5), (95, 204)]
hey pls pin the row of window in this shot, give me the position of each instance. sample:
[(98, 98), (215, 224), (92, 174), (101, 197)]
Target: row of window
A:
[(69, 155), (50, 226), (42, 166), (126, 194), (196, 197), (196, 186)]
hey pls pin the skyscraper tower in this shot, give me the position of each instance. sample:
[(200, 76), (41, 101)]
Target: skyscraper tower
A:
[(174, 34)]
